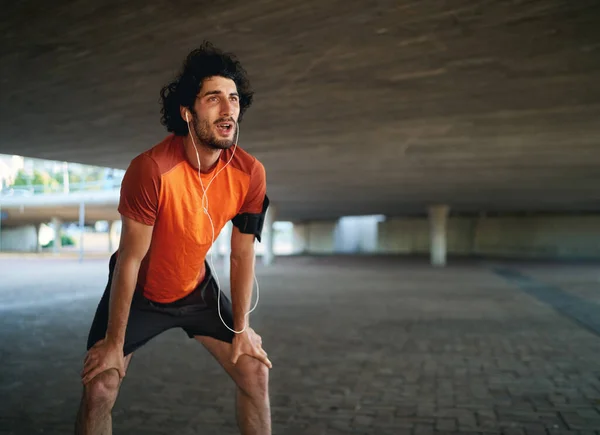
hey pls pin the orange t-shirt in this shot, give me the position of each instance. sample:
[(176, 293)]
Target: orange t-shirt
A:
[(161, 188)]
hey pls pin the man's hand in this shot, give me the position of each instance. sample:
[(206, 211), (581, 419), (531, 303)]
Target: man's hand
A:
[(249, 343), (104, 355)]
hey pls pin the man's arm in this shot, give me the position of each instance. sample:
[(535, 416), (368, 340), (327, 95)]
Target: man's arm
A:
[(247, 342), (242, 276), (134, 244), (247, 225), (138, 206), (107, 353)]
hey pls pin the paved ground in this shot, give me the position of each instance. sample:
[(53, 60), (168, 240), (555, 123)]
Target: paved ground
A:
[(375, 346)]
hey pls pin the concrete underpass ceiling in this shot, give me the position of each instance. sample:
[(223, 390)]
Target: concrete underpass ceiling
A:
[(361, 106)]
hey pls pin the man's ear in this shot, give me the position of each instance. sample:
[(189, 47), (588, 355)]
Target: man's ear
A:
[(185, 114)]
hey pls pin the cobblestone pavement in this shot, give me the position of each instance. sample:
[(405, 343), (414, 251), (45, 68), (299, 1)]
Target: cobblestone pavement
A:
[(359, 346)]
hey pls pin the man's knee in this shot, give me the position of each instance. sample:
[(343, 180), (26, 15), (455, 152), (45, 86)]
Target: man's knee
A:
[(101, 392), (253, 376)]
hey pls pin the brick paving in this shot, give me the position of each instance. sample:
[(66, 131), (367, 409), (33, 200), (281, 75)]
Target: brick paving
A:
[(359, 346), (579, 280), (569, 303)]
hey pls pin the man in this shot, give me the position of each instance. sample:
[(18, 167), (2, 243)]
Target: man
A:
[(175, 199)]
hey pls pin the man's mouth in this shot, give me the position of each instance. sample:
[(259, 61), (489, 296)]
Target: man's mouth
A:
[(225, 127)]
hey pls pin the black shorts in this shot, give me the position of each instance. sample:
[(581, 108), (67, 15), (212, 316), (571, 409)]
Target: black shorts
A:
[(195, 313)]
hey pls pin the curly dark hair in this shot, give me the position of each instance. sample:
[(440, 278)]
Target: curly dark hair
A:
[(203, 62)]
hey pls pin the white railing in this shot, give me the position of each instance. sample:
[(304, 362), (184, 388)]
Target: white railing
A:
[(40, 189)]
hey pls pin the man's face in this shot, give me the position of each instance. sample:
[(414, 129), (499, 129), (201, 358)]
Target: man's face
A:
[(216, 113)]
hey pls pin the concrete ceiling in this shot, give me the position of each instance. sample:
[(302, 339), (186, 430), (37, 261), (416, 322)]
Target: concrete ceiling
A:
[(361, 106)]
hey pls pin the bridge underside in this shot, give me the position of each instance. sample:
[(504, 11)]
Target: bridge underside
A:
[(361, 107)]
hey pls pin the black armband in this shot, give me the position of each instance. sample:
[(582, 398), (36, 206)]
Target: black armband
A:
[(252, 223)]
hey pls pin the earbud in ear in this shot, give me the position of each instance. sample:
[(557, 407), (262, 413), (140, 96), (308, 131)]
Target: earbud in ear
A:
[(187, 116)]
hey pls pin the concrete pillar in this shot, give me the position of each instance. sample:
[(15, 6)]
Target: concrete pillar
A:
[(268, 233), (438, 217), (224, 246), (81, 228), (56, 223), (1, 227), (300, 238), (111, 235), (38, 245)]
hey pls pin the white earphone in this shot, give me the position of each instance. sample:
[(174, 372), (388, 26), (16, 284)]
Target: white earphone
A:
[(205, 209)]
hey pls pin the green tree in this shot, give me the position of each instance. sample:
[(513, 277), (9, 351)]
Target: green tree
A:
[(39, 178), (41, 181), (22, 179)]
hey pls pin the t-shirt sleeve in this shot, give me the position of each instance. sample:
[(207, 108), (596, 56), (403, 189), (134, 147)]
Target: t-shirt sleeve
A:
[(140, 190), (257, 190), (251, 216)]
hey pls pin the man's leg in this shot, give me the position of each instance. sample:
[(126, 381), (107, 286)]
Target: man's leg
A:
[(97, 401), (252, 379)]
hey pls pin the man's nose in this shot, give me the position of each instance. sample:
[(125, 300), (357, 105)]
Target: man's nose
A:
[(226, 108)]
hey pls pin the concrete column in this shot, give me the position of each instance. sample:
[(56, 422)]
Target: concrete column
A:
[(267, 237), (56, 223), (81, 228), (300, 238), (111, 234), (1, 227), (224, 246), (438, 217), (38, 245)]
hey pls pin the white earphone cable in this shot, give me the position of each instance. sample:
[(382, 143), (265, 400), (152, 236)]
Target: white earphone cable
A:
[(205, 210)]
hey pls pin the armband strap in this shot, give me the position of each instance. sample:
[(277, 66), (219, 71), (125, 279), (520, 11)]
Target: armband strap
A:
[(252, 223)]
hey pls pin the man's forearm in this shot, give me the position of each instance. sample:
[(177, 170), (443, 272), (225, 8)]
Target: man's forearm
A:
[(123, 287), (242, 283)]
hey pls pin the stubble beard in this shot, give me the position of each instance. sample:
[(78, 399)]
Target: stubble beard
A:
[(205, 136)]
